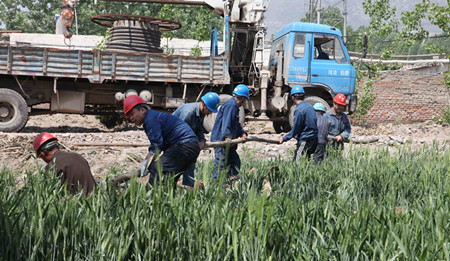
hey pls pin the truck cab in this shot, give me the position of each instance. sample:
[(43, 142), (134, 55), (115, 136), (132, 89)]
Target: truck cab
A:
[(314, 57)]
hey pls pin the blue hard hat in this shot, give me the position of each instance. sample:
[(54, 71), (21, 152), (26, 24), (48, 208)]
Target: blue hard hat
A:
[(297, 89), (319, 107), (212, 101), (241, 90)]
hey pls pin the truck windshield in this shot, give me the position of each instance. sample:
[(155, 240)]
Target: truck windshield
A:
[(339, 55), (299, 45), (328, 47)]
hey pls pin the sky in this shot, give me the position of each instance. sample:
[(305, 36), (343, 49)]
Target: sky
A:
[(283, 12)]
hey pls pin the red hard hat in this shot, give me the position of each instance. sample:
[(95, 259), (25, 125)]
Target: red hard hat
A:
[(41, 139), (130, 102), (340, 99)]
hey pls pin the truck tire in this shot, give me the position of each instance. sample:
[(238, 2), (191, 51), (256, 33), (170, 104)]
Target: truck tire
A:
[(13, 111), (208, 122), (309, 99), (281, 126)]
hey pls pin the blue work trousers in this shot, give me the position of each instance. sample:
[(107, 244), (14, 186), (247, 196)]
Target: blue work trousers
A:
[(334, 148), (222, 161), (174, 161), (305, 148), (320, 153), (188, 176)]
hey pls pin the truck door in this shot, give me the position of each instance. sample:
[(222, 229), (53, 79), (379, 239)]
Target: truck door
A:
[(298, 64), (330, 64)]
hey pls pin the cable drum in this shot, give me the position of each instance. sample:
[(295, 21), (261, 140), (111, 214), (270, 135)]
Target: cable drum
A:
[(133, 33), (134, 36)]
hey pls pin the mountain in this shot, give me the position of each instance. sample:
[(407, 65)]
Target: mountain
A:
[(282, 12)]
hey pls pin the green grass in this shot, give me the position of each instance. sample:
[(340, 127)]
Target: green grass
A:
[(369, 205)]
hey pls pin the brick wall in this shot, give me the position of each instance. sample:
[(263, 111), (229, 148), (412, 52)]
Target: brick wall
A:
[(405, 96)]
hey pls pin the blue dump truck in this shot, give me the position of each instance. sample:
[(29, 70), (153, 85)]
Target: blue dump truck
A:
[(97, 81)]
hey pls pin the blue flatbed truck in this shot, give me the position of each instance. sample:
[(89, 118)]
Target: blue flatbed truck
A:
[(96, 81)]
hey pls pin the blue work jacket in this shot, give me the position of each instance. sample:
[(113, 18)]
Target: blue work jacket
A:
[(323, 125), (227, 123), (338, 126), (305, 123), (190, 113), (164, 130)]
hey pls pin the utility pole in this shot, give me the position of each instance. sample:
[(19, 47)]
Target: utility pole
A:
[(319, 9), (310, 10), (345, 21)]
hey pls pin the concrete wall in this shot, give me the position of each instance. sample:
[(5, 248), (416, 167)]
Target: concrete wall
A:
[(408, 96)]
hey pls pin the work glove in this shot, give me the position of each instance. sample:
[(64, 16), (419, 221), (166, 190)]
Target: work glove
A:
[(144, 171)]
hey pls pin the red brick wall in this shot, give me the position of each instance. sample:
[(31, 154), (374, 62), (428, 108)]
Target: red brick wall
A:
[(405, 96)]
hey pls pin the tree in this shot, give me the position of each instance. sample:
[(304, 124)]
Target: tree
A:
[(383, 28), (33, 16), (413, 30), (331, 16), (196, 21)]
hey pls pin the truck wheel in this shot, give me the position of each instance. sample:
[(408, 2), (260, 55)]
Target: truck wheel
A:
[(13, 111), (208, 122), (309, 99), (281, 126)]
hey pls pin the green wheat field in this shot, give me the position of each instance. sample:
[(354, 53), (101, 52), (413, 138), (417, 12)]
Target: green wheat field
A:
[(369, 205)]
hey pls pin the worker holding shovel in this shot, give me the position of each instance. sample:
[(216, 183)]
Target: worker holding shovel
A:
[(168, 135), (194, 114), (227, 127)]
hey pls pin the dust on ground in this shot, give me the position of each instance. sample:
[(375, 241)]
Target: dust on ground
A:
[(17, 153)]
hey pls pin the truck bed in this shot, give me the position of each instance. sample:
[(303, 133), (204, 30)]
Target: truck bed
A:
[(98, 66)]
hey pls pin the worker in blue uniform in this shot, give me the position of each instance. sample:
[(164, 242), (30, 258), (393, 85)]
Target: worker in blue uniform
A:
[(339, 123), (227, 127), (193, 114), (323, 125), (304, 128), (168, 135)]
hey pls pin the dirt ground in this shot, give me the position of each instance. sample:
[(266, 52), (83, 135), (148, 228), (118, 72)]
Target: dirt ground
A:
[(16, 150)]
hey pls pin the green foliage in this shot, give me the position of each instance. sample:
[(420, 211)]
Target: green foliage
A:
[(366, 94), (382, 17), (196, 51), (27, 15), (412, 39), (39, 16), (196, 21), (369, 205), (102, 44), (440, 16), (446, 76), (444, 118), (167, 49), (383, 28)]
